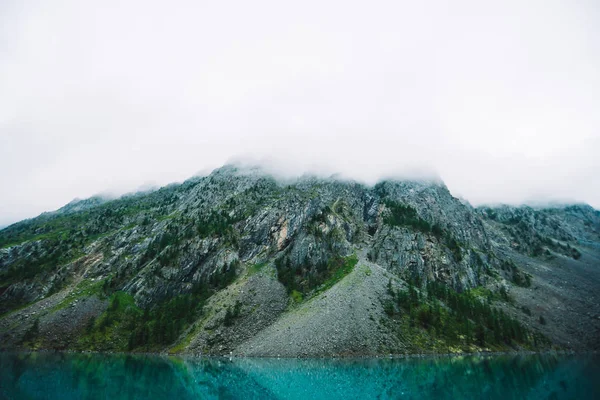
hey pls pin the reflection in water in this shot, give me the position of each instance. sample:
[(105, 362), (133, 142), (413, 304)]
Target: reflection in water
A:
[(95, 376)]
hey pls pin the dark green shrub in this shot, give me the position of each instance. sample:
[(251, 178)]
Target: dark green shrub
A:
[(405, 215)]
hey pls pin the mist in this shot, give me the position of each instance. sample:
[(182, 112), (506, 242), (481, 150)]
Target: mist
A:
[(499, 101)]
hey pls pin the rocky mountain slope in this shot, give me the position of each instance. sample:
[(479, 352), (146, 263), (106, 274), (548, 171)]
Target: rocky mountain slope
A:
[(241, 263)]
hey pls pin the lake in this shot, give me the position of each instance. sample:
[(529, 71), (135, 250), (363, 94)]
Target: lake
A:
[(48, 375)]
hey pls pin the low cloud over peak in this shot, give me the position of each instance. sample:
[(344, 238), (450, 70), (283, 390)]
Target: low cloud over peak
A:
[(500, 102)]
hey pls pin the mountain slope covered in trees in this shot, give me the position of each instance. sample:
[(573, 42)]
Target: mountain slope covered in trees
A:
[(239, 262)]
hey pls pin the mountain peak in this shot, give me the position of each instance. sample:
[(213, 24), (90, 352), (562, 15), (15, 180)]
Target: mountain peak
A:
[(245, 261)]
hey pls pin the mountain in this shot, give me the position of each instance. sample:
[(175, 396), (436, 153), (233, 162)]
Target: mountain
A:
[(239, 262), (80, 205)]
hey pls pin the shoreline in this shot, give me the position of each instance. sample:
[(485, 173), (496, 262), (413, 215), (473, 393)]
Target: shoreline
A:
[(336, 357)]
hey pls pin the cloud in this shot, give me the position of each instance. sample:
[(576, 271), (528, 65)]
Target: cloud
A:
[(498, 100)]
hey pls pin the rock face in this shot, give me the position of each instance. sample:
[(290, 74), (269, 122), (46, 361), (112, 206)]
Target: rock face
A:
[(239, 262)]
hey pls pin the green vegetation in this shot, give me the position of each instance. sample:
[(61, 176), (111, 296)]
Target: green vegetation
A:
[(302, 280), (232, 313), (164, 323), (56, 239), (406, 216), (125, 326), (256, 268), (338, 268), (109, 330), (166, 246), (454, 247), (297, 296), (32, 333), (517, 276), (216, 223), (84, 289), (460, 319), (80, 226), (491, 214), (540, 241), (528, 240), (45, 257)]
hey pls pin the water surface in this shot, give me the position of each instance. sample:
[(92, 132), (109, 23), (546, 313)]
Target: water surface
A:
[(99, 376)]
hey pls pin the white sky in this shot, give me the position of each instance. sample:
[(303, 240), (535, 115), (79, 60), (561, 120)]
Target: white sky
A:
[(501, 100)]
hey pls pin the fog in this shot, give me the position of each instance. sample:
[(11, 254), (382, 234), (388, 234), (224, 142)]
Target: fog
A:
[(500, 101)]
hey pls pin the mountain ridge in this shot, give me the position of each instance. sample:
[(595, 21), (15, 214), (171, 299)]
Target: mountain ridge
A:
[(240, 262)]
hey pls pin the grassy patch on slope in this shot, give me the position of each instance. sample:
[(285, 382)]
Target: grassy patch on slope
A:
[(85, 288)]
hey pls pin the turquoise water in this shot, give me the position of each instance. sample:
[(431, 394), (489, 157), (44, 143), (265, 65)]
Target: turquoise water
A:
[(95, 376)]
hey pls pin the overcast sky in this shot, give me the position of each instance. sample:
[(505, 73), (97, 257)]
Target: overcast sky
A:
[(502, 100)]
